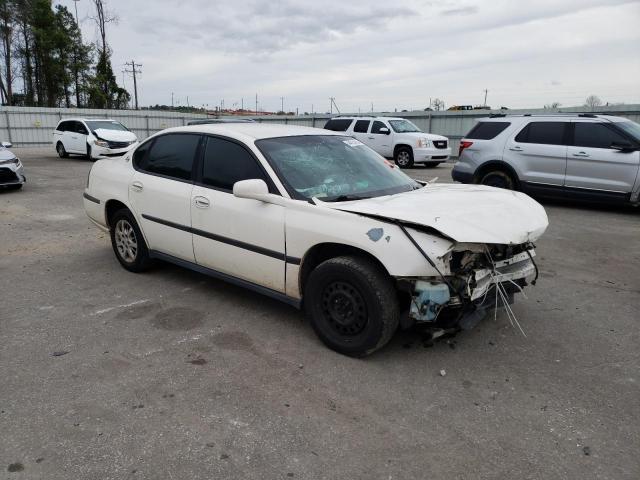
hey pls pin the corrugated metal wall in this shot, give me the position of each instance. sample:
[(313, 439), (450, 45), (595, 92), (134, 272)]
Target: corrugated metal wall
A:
[(32, 126)]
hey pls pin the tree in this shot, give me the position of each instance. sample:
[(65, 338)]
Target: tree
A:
[(7, 28), (438, 104), (593, 101), (104, 92), (552, 105)]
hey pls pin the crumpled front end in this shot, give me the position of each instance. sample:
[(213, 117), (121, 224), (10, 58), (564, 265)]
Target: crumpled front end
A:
[(478, 278)]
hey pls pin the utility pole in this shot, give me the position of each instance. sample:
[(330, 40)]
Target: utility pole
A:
[(134, 70), (282, 104), (171, 100), (485, 97), (256, 104), (333, 104), (242, 104)]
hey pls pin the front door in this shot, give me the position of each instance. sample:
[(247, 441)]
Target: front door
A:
[(77, 138), (539, 153), (593, 164), (381, 142), (160, 192), (237, 236)]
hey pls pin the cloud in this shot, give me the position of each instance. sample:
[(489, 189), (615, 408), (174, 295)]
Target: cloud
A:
[(469, 10)]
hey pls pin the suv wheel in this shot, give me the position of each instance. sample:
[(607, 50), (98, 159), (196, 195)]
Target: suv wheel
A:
[(498, 179), (404, 157), (128, 242), (352, 305), (62, 153)]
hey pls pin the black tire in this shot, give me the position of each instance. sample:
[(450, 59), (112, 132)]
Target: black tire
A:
[(123, 224), (62, 153), (404, 157), (352, 305), (432, 164), (499, 179)]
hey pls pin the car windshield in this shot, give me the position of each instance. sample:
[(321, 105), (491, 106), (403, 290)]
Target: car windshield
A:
[(106, 125), (403, 126), (333, 168), (632, 128)]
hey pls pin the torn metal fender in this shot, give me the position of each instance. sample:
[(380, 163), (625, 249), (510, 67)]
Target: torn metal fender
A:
[(464, 213)]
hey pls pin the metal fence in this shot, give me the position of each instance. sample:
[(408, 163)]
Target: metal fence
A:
[(33, 126)]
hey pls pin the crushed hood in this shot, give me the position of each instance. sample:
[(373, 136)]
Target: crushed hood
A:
[(464, 213), (116, 135)]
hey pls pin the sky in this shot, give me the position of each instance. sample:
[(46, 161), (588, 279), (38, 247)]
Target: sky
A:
[(373, 54)]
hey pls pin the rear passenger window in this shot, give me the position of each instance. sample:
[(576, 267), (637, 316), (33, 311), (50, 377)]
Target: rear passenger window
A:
[(549, 133), (487, 130), (596, 135), (172, 156), (338, 124), (226, 163), (361, 126), (377, 126)]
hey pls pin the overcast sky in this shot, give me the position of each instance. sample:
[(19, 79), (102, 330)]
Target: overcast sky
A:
[(394, 54)]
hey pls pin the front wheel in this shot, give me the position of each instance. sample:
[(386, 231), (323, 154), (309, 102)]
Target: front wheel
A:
[(498, 179), (90, 154), (62, 153), (404, 157), (128, 243), (352, 305)]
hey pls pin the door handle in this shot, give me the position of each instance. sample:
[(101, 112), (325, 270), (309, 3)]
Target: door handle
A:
[(581, 154), (201, 202), (516, 149), (136, 186)]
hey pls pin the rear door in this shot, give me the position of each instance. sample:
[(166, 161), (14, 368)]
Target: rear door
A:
[(538, 152), (160, 192), (592, 162), (360, 132), (240, 237)]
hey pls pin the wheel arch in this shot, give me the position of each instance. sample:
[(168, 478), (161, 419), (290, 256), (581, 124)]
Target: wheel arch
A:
[(399, 146), (321, 252), (110, 208), (496, 165)]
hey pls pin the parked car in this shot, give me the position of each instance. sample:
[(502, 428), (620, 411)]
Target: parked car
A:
[(11, 169), (395, 138), (460, 107), (318, 220), (591, 157), (95, 138)]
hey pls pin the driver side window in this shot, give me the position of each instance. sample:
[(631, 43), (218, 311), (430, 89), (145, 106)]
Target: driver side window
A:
[(377, 125)]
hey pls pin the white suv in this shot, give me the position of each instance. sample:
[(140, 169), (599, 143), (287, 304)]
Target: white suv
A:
[(395, 138), (94, 138), (318, 220), (588, 157)]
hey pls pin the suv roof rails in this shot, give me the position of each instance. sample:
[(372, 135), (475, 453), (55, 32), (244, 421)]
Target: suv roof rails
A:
[(588, 115), (497, 115), (354, 116)]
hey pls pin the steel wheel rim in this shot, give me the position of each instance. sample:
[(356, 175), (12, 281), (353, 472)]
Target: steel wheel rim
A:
[(344, 309), (403, 158), (126, 242)]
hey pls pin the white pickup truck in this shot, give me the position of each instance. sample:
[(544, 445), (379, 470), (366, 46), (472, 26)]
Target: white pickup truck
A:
[(395, 138)]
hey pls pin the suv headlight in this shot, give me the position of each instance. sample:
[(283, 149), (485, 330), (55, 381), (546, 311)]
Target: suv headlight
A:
[(101, 143), (15, 161), (423, 143)]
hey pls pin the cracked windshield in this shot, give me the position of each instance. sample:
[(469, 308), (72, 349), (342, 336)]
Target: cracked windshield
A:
[(333, 168)]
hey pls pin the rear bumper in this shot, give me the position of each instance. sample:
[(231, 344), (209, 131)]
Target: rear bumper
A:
[(462, 177)]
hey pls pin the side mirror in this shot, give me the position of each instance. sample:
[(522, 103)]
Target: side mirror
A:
[(384, 131), (255, 189), (7, 144), (624, 147)]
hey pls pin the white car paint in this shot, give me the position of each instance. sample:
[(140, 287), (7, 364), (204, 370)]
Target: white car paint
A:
[(11, 169), (421, 143), (77, 137), (267, 241)]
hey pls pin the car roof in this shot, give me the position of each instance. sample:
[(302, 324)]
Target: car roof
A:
[(365, 117), (79, 119), (565, 116), (252, 131)]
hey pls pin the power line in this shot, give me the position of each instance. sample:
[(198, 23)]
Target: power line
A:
[(134, 70)]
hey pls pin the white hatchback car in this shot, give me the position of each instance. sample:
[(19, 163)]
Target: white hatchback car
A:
[(95, 138), (395, 138), (317, 219)]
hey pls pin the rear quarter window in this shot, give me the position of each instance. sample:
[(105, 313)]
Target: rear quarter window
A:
[(487, 130), (338, 124)]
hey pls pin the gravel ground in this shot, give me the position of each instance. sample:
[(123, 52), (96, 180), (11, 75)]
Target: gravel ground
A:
[(170, 374)]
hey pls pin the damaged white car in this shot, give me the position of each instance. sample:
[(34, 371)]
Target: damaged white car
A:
[(321, 221)]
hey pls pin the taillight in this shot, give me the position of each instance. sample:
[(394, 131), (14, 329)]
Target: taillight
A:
[(463, 145)]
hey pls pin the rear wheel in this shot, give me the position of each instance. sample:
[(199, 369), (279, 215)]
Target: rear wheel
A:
[(404, 157), (128, 243), (352, 305), (498, 179), (62, 153)]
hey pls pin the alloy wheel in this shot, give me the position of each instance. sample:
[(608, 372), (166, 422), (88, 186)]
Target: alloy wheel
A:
[(126, 241)]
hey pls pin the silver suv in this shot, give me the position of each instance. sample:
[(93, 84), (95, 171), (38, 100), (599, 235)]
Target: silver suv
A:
[(592, 157)]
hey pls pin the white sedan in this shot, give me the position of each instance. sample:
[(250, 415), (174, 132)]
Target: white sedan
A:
[(318, 220)]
